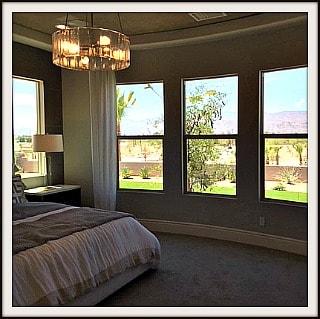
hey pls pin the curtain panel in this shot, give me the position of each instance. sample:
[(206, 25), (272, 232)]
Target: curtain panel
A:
[(102, 87)]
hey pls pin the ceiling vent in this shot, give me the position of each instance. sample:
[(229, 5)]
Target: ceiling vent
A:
[(201, 16)]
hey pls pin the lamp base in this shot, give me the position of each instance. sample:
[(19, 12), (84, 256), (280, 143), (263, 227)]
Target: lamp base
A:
[(49, 172)]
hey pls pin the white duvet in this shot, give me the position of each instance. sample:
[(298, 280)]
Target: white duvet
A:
[(60, 270)]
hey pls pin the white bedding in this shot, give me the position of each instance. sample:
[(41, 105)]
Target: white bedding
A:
[(60, 270)]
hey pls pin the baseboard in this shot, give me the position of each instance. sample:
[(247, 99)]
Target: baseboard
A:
[(290, 245)]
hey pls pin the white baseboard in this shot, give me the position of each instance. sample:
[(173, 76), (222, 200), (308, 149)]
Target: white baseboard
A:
[(290, 245)]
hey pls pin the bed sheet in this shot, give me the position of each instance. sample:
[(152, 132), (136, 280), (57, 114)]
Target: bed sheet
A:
[(60, 270)]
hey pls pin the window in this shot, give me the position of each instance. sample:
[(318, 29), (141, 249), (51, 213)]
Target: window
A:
[(210, 135), (284, 135), (140, 132), (28, 119)]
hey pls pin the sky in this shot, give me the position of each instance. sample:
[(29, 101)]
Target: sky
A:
[(286, 90), (24, 101)]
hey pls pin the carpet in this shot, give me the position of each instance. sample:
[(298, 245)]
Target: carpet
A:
[(204, 272)]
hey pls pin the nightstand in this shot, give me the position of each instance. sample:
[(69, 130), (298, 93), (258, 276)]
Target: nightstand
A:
[(64, 194)]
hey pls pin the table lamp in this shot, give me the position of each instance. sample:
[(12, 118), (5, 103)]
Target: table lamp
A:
[(48, 143)]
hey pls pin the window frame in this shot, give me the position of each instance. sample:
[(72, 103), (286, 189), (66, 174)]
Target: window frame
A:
[(142, 137), (40, 113), (264, 136), (186, 137)]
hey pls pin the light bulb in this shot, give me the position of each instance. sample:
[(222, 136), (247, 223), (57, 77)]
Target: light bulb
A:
[(104, 40), (84, 59)]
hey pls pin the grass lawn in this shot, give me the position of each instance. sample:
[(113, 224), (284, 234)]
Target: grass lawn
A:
[(270, 194), (147, 185), (220, 190), (285, 195)]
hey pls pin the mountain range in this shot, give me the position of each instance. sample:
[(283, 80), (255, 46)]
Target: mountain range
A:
[(282, 122), (287, 122)]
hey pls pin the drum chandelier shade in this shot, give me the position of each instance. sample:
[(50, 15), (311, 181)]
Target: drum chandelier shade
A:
[(90, 49)]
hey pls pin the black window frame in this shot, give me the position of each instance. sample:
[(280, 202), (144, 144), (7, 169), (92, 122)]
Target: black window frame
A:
[(186, 137), (264, 136), (142, 137)]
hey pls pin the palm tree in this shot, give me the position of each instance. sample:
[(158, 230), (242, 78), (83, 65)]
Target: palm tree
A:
[(299, 149), (277, 150), (267, 154), (122, 103)]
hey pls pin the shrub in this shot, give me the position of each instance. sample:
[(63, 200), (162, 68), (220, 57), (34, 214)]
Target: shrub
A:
[(279, 187), (289, 175), (145, 172), (232, 175), (126, 173)]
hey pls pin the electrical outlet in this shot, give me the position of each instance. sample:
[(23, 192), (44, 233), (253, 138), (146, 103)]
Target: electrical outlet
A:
[(262, 221)]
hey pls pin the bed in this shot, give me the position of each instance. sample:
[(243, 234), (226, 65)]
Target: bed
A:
[(64, 255)]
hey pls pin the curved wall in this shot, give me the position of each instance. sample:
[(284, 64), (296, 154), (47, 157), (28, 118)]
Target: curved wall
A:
[(244, 55)]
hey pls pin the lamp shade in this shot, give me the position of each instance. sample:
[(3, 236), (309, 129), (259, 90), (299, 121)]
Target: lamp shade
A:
[(47, 143)]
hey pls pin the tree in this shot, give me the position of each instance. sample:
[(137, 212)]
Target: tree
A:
[(200, 152), (277, 150), (272, 149), (268, 155), (299, 147), (203, 108), (122, 104)]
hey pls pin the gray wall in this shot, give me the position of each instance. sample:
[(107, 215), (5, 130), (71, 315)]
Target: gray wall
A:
[(245, 56), (76, 116)]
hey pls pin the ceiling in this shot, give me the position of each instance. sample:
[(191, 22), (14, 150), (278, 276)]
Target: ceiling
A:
[(151, 29)]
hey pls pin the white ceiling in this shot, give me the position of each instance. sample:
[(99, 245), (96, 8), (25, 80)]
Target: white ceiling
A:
[(151, 29)]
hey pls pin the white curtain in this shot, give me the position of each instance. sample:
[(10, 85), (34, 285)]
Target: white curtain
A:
[(102, 87)]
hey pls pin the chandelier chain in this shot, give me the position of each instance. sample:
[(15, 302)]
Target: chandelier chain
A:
[(120, 22), (66, 24)]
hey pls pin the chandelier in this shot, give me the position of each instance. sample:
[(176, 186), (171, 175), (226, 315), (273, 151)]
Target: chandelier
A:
[(90, 49)]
